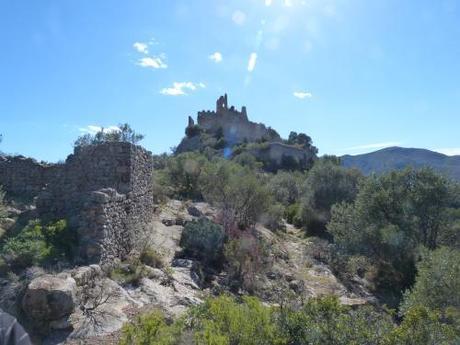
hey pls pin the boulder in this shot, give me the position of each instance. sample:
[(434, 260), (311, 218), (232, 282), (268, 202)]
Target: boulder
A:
[(85, 274), (49, 298), (194, 211)]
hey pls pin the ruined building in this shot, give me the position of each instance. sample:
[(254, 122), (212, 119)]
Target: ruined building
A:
[(234, 124), (104, 191), (235, 128)]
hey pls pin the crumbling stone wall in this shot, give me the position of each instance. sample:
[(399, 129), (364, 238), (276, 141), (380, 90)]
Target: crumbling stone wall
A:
[(25, 177), (235, 124), (104, 191)]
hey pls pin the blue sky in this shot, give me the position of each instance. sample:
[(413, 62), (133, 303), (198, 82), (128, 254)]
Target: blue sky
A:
[(356, 75)]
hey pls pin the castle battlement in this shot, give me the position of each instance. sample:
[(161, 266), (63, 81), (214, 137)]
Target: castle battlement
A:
[(234, 124)]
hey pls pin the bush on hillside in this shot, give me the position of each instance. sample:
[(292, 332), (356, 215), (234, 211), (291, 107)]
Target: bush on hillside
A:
[(183, 174), (151, 257), (437, 285), (37, 244), (391, 217), (286, 187), (237, 191), (326, 184), (151, 329), (203, 240), (223, 320)]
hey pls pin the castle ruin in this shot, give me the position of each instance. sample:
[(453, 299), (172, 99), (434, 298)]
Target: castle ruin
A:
[(234, 124)]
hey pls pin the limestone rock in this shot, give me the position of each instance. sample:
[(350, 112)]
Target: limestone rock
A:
[(49, 298), (85, 274)]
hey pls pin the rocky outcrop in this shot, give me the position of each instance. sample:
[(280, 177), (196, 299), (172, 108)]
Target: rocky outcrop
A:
[(49, 301)]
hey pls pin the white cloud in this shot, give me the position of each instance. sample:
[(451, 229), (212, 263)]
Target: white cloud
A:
[(141, 47), (216, 57), (450, 151), (252, 62), (152, 62), (239, 17), (93, 129), (180, 88), (288, 3), (302, 94), (268, 2)]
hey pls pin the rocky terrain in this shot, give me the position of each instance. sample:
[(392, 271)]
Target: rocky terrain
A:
[(84, 304)]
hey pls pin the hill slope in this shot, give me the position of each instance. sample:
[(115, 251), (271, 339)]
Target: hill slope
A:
[(398, 158)]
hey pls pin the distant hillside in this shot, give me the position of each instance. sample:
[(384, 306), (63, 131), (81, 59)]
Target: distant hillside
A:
[(398, 158)]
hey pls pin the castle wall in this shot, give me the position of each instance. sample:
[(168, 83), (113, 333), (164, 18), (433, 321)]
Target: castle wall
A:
[(236, 126)]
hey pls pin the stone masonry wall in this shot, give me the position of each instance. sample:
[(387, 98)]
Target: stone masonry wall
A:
[(104, 191), (21, 176), (235, 124)]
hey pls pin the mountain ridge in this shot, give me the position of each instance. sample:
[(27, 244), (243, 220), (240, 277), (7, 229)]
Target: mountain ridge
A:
[(398, 158)]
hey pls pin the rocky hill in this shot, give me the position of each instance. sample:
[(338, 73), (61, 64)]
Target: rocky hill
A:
[(227, 128), (397, 158), (93, 304)]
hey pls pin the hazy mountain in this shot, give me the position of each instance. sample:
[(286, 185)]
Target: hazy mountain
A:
[(398, 158)]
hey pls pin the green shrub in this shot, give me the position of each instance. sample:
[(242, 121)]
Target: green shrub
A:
[(246, 159), (272, 218), (437, 285), (222, 320), (292, 215), (421, 326), (38, 243), (4, 268), (286, 187), (61, 238), (130, 273), (151, 257), (203, 240), (151, 329), (392, 216), (160, 188), (327, 184), (237, 191), (28, 248), (183, 173), (326, 321)]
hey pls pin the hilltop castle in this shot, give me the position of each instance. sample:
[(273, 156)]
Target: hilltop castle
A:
[(235, 125), (232, 127)]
